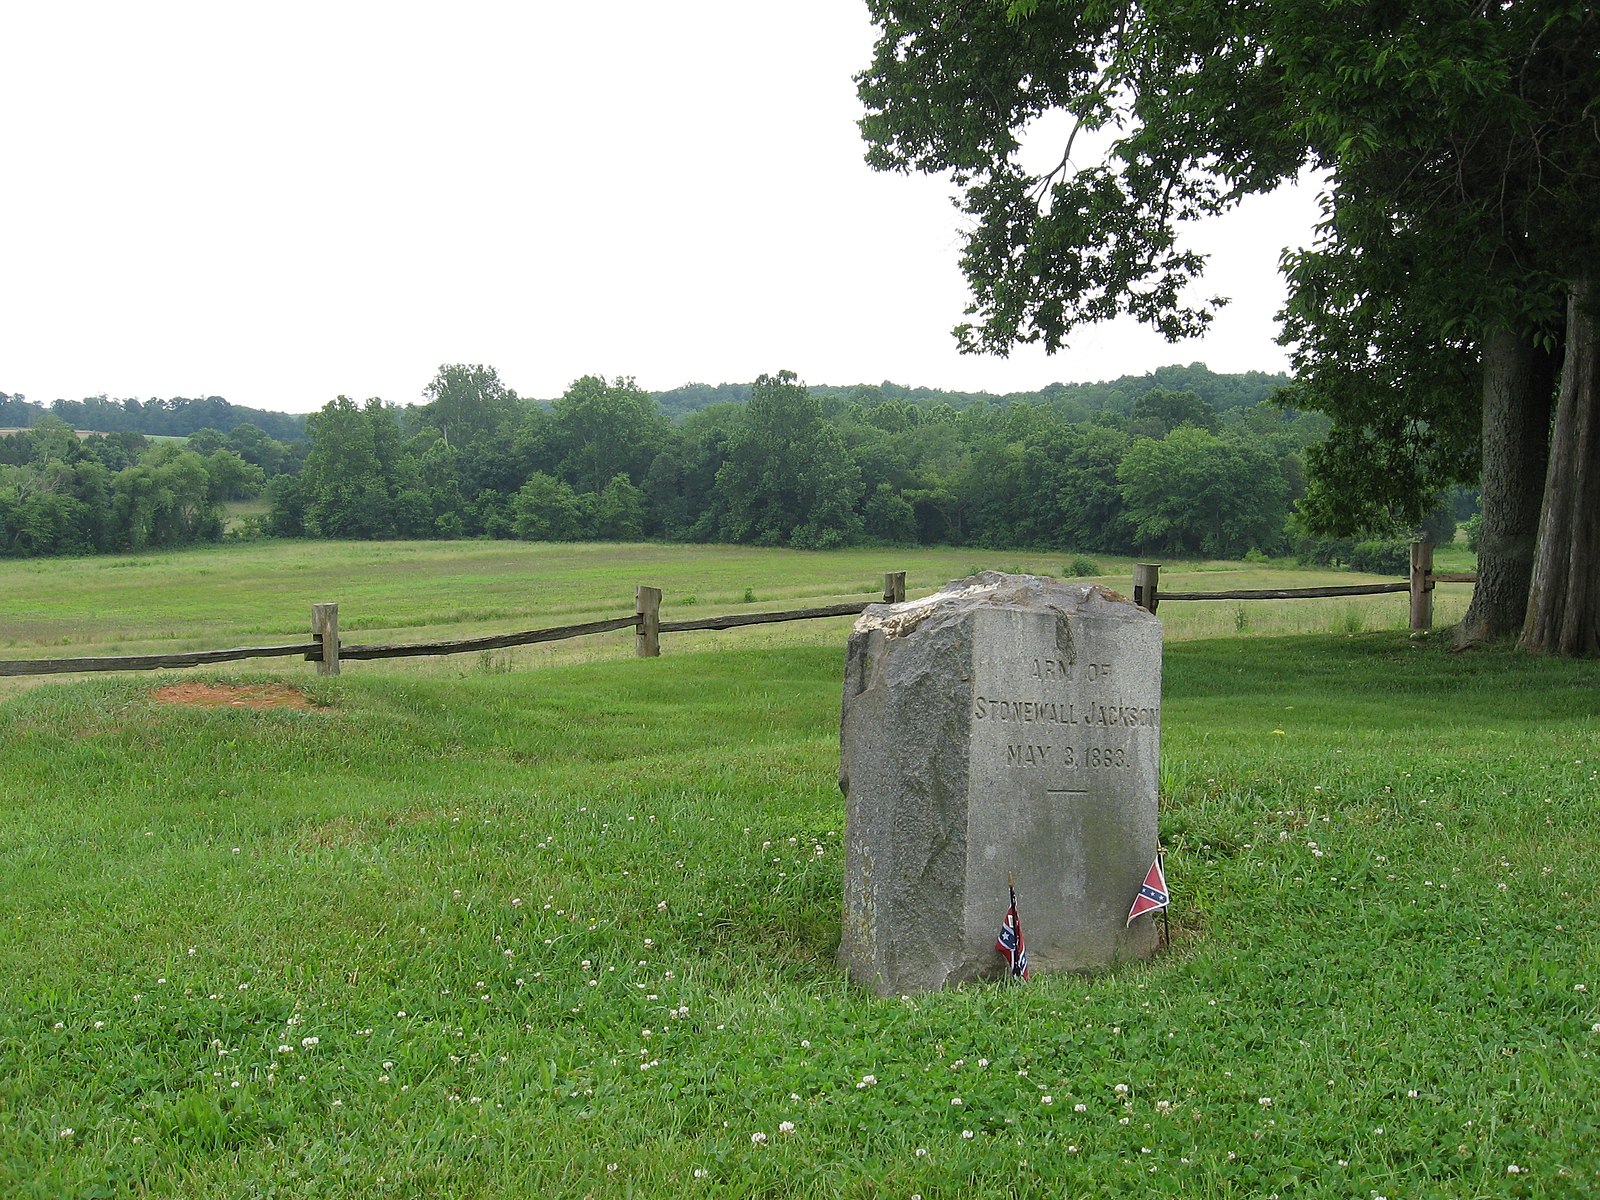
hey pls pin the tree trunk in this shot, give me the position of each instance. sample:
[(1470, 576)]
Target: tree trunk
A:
[(1518, 379), (1564, 602)]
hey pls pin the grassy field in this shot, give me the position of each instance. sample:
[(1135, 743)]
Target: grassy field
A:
[(570, 932), (235, 512), (261, 593)]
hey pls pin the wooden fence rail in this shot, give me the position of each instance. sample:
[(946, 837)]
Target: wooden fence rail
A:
[(1354, 589), (153, 662), (1419, 583)]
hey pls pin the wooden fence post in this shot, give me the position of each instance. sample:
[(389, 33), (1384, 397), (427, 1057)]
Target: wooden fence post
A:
[(1147, 585), (1421, 585), (647, 608), (894, 587), (325, 629)]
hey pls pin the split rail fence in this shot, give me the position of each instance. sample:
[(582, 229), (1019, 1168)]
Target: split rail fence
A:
[(327, 651), (1419, 583)]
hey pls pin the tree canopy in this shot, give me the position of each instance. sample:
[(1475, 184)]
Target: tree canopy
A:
[(1458, 145), (1177, 461)]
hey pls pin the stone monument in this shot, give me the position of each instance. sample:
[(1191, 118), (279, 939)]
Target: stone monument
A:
[(1007, 725)]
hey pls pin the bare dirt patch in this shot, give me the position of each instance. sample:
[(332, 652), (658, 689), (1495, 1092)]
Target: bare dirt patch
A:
[(229, 695)]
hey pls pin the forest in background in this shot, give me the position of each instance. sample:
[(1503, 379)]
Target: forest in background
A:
[(1180, 461)]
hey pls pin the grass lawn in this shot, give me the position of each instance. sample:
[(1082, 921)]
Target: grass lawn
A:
[(570, 932)]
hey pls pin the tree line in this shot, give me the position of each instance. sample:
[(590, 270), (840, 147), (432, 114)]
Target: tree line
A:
[(1124, 467), (788, 466), (62, 494), (177, 416)]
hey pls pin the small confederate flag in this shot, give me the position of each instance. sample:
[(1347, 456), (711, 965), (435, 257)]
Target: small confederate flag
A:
[(1010, 941), (1152, 893)]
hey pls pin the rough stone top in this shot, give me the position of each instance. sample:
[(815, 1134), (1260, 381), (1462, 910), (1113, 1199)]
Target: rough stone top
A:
[(994, 589)]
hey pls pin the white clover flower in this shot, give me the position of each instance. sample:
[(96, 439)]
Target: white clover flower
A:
[(921, 1152), (758, 1138), (955, 1101), (1047, 1099), (966, 1135), (64, 1133), (1080, 1108), (308, 1042), (785, 1126), (701, 1173)]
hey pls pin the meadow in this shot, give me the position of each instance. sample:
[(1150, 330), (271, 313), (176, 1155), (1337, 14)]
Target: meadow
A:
[(261, 593), (568, 929)]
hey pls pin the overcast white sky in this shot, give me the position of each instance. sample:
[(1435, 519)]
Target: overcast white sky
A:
[(281, 203)]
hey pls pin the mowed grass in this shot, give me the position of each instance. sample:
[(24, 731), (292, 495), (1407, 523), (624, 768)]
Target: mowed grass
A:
[(261, 594), (571, 932)]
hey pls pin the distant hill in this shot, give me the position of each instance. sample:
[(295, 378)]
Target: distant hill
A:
[(1076, 400), (177, 417), (181, 416)]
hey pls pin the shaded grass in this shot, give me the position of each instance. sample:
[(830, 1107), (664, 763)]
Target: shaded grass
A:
[(571, 933)]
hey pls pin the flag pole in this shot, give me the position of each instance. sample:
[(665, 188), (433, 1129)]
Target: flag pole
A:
[(1166, 920)]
